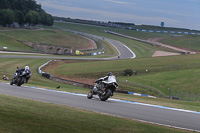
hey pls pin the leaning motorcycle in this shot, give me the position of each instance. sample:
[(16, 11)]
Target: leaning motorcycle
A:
[(20, 78), (104, 90)]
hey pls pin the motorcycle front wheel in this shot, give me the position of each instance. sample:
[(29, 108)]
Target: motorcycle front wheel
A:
[(21, 81), (106, 94), (11, 83), (89, 96)]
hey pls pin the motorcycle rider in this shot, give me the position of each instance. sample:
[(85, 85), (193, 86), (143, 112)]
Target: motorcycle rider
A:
[(26, 69), (110, 78), (5, 78)]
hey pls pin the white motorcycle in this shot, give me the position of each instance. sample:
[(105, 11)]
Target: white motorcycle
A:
[(103, 89)]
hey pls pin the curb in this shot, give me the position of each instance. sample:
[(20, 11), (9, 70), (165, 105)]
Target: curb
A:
[(137, 94), (97, 53)]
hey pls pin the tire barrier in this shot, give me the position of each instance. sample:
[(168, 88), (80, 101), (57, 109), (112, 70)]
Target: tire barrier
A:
[(46, 75)]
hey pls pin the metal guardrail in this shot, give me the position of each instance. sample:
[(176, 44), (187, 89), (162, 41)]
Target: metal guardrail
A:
[(172, 32), (39, 69)]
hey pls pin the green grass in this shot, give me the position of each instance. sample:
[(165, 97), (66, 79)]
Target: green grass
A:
[(110, 52), (9, 65), (121, 65), (186, 81), (98, 30), (175, 72), (141, 49), (69, 39), (186, 41), (54, 37), (13, 44), (22, 115), (141, 34)]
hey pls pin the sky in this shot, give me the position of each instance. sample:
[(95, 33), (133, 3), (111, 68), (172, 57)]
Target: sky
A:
[(174, 13)]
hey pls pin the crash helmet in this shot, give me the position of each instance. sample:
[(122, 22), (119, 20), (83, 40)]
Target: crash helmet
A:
[(110, 74), (26, 67), (15, 75)]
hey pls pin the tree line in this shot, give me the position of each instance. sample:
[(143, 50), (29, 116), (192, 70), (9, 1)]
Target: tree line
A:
[(23, 11)]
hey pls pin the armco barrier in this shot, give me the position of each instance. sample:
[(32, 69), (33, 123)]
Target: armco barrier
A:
[(39, 69), (173, 32), (49, 76), (46, 75), (71, 82)]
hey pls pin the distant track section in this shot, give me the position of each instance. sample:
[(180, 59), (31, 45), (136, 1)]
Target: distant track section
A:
[(124, 51)]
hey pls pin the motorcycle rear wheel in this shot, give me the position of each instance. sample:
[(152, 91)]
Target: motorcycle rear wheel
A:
[(107, 94)]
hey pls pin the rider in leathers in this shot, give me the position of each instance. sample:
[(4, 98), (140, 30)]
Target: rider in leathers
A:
[(105, 80)]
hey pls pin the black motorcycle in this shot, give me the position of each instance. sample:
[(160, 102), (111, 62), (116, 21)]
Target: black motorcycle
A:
[(104, 90), (20, 78)]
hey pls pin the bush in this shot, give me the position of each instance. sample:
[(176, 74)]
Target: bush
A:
[(128, 72)]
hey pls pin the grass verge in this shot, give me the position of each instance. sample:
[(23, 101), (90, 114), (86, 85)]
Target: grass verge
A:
[(22, 115)]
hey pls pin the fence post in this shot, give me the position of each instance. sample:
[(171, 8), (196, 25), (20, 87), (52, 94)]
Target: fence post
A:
[(196, 96), (182, 95), (169, 93), (189, 95)]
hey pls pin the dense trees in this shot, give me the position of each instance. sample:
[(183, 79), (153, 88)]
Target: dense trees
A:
[(23, 11)]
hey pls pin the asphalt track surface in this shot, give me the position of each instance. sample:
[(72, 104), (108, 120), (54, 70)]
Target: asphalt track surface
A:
[(124, 51), (172, 117)]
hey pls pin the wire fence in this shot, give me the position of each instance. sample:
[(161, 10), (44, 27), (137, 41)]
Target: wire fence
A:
[(166, 68), (183, 95), (142, 86), (171, 94)]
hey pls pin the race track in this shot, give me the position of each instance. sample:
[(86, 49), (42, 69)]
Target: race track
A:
[(184, 119), (150, 113)]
